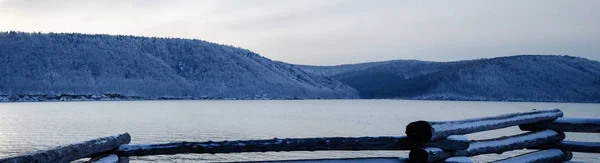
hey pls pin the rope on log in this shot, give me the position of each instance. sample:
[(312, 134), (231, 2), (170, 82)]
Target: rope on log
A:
[(589, 125), (498, 145), (303, 144), (585, 147), (74, 151), (551, 155), (424, 131)]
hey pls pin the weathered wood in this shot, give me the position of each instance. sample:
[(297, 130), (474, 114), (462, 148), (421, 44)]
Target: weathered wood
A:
[(425, 131), (546, 156), (589, 125), (452, 142), (73, 152), (276, 145), (430, 154), (515, 142), (573, 146), (339, 160), (499, 145), (123, 159), (457, 159)]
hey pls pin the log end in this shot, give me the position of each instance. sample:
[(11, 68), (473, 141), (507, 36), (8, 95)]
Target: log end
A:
[(418, 155), (126, 138), (419, 131), (568, 155)]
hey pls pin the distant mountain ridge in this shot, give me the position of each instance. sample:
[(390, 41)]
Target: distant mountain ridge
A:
[(514, 78), (38, 67), (62, 67)]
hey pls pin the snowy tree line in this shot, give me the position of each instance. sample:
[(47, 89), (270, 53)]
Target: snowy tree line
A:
[(82, 64), (515, 78)]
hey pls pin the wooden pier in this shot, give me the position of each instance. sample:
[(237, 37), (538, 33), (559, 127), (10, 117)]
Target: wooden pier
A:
[(427, 141)]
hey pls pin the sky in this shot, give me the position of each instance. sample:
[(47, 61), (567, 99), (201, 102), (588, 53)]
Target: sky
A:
[(331, 32)]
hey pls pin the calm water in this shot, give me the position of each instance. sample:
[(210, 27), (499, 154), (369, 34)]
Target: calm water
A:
[(26, 127)]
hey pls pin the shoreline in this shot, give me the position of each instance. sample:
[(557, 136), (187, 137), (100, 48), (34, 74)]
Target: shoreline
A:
[(118, 97)]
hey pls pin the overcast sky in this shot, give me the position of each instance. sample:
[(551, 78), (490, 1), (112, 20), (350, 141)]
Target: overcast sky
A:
[(328, 32)]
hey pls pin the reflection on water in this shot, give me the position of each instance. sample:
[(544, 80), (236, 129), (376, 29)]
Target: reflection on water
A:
[(26, 127)]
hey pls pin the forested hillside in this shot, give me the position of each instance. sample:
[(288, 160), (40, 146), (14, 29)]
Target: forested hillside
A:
[(42, 67), (53, 66), (515, 78)]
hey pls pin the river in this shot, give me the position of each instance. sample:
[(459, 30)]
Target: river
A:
[(26, 127)]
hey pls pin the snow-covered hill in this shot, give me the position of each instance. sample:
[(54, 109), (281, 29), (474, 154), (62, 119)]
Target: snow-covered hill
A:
[(515, 78), (35, 66)]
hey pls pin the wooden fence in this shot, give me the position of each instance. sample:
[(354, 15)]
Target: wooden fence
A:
[(428, 141)]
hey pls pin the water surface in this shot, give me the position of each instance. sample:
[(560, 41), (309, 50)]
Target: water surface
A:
[(26, 127)]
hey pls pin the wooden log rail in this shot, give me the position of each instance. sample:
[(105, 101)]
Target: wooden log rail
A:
[(425, 131), (551, 155), (73, 152), (573, 146), (304, 144), (428, 141), (457, 159), (589, 125), (499, 145)]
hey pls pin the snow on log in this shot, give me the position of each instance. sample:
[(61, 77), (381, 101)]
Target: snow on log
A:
[(424, 131), (112, 158), (516, 142), (585, 147), (590, 125), (302, 144), (551, 155), (499, 145), (109, 158), (74, 151)]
